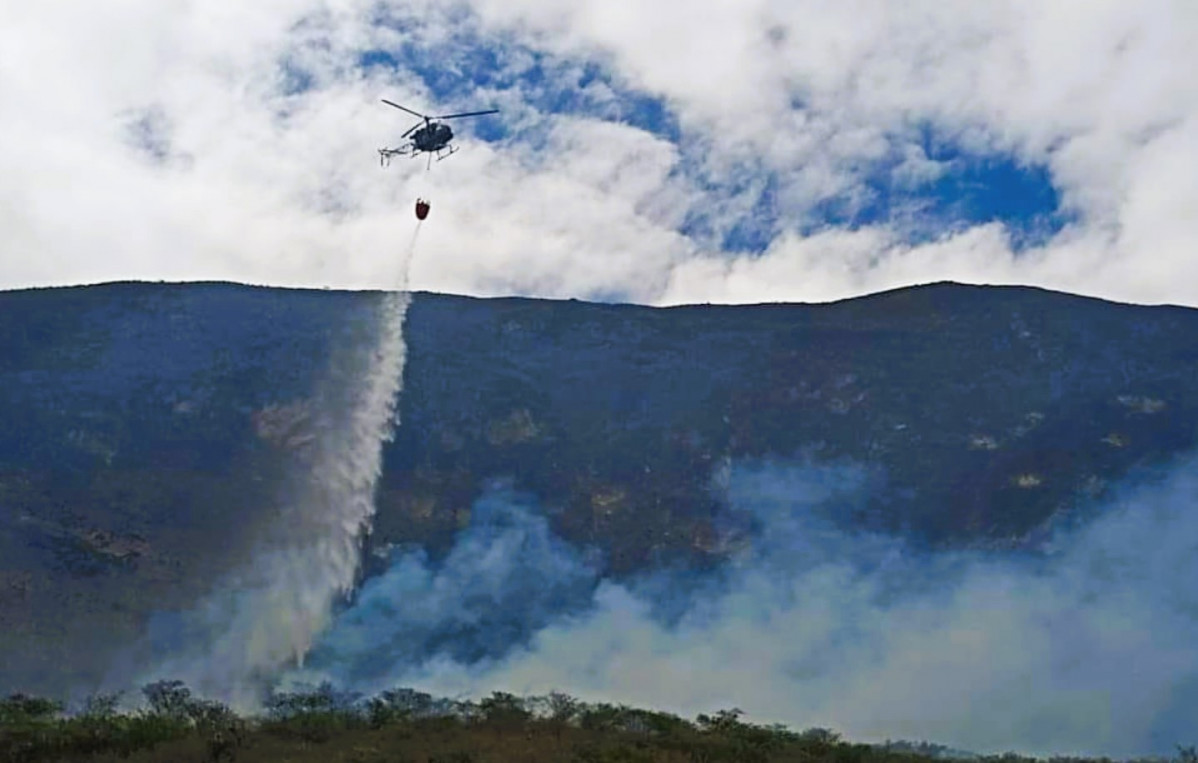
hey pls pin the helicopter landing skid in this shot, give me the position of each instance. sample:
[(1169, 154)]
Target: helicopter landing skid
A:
[(386, 154)]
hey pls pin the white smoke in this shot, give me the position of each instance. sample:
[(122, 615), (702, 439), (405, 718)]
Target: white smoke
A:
[(1089, 646)]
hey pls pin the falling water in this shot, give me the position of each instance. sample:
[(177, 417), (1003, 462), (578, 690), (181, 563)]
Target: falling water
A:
[(265, 615)]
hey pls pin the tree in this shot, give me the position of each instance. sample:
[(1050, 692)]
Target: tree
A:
[(504, 709), (170, 699), (21, 708)]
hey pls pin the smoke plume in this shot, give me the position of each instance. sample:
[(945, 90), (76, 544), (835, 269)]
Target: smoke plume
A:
[(1085, 645)]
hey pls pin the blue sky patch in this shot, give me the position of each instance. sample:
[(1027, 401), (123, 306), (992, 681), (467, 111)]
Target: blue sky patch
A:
[(455, 70), (748, 232), (465, 71), (971, 189)]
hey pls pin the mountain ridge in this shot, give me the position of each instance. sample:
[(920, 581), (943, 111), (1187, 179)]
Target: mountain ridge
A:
[(146, 424)]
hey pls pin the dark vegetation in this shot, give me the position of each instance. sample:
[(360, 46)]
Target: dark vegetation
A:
[(406, 725)]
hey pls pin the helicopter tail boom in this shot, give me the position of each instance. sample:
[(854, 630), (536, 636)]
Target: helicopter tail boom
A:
[(386, 154)]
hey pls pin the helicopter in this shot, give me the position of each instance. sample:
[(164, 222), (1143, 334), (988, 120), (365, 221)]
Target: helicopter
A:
[(432, 137)]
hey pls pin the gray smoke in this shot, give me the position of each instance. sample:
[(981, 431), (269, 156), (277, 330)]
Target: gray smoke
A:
[(506, 578), (1087, 646)]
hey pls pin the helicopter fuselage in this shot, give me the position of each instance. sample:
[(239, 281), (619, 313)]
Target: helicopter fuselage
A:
[(432, 137)]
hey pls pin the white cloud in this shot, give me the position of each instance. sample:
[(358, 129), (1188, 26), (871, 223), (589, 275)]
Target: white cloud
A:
[(257, 182), (1090, 90)]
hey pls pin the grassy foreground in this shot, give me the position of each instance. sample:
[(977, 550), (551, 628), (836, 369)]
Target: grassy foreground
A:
[(406, 726)]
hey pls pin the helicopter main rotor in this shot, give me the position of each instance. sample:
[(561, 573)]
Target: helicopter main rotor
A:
[(428, 118)]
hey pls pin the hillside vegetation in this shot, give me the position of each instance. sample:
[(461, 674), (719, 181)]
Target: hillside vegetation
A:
[(403, 725)]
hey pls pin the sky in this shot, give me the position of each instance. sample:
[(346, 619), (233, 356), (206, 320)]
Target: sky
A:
[(724, 151)]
